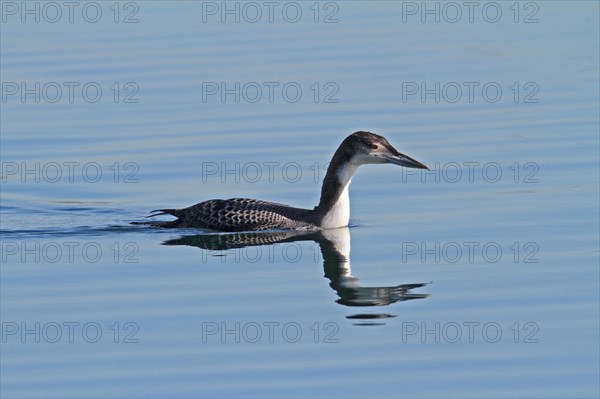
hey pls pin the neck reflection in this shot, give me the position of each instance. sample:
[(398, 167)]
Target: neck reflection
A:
[(334, 245)]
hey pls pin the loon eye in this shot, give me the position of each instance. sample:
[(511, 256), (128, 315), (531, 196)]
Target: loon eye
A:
[(370, 144)]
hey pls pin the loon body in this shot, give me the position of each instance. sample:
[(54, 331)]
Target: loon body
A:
[(242, 214)]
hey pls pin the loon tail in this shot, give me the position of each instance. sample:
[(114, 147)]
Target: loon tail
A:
[(158, 212), (169, 224)]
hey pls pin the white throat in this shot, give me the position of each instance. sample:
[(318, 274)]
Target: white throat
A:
[(339, 214)]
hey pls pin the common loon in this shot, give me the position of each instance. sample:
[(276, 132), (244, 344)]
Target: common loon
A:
[(242, 214)]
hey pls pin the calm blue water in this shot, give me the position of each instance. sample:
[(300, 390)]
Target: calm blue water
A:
[(479, 279)]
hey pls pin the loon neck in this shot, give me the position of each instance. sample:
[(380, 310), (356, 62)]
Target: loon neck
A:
[(334, 205)]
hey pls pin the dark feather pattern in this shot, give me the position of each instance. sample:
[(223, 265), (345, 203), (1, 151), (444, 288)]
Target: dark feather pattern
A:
[(238, 214)]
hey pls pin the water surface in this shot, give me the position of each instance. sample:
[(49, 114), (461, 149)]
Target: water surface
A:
[(479, 279)]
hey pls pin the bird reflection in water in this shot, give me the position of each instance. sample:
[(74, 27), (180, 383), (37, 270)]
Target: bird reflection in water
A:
[(335, 250)]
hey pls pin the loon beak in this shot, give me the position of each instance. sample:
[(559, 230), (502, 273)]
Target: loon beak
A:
[(404, 160)]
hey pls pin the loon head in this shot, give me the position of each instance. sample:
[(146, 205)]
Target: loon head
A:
[(359, 148), (370, 148)]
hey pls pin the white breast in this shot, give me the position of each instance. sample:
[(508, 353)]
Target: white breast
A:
[(339, 214)]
